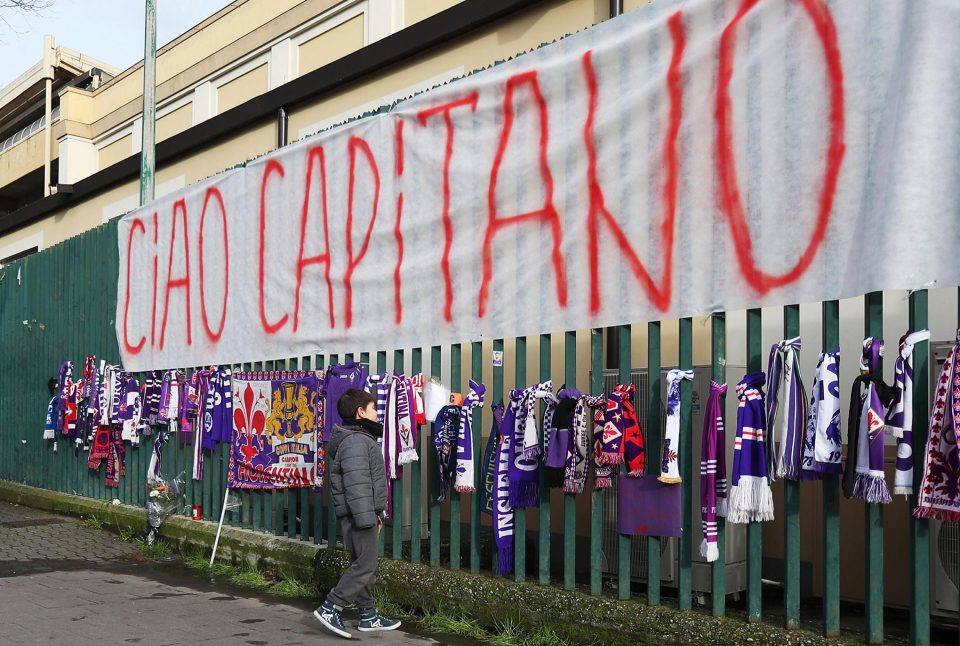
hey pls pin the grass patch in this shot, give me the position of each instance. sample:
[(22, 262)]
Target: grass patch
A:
[(128, 534), (388, 607), (249, 578), (157, 550), (439, 622), (293, 588), (91, 522)]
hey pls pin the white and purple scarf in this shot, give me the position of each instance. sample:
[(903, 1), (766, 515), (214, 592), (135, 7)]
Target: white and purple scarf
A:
[(466, 480), (787, 419), (399, 433), (713, 471), (502, 508), (669, 458), (939, 495), (823, 443), (750, 497), (575, 466), (900, 416), (490, 456), (863, 476), (445, 436), (520, 423)]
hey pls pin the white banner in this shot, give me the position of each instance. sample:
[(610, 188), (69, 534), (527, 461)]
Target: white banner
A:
[(685, 158)]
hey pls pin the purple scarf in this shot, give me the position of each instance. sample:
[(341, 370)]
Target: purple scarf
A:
[(522, 470), (786, 420), (490, 456), (152, 390), (170, 397), (939, 496), (218, 409), (465, 479), (602, 470), (823, 444), (502, 508), (750, 498), (340, 378), (713, 471), (863, 476), (444, 438), (900, 416)]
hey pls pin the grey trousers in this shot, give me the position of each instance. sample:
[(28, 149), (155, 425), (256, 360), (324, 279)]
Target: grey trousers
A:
[(356, 584)]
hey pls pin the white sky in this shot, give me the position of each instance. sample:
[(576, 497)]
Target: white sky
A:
[(108, 30)]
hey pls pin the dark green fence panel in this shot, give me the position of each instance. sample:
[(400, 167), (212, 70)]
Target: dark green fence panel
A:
[(754, 530)]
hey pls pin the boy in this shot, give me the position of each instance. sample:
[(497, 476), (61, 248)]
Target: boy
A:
[(358, 484)]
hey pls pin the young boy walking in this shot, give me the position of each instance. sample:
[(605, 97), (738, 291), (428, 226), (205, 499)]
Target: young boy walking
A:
[(358, 484)]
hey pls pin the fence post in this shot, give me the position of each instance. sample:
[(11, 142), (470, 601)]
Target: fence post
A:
[(718, 572), (873, 513), (543, 550), (831, 500), (497, 396), (435, 370), (653, 445), (520, 513), (754, 529), (476, 373), (919, 528), (456, 386), (685, 579), (623, 540), (596, 495), (570, 500), (791, 497), (416, 480)]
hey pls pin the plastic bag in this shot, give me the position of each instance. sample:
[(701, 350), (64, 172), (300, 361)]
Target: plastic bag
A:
[(163, 499)]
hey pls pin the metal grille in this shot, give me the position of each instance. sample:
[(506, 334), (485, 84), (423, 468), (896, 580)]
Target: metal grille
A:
[(948, 548), (611, 537)]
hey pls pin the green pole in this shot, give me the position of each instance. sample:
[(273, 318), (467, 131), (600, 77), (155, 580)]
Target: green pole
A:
[(919, 528), (148, 160)]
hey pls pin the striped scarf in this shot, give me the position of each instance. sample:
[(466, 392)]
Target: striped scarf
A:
[(445, 432), (713, 471), (823, 443), (939, 496), (575, 468), (900, 416), (489, 467), (519, 422), (465, 480), (750, 498), (786, 422), (502, 507), (863, 476), (669, 465), (602, 470)]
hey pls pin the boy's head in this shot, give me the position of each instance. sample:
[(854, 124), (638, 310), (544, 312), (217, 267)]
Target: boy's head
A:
[(357, 404)]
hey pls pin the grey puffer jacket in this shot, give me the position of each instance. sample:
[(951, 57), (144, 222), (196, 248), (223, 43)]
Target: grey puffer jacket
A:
[(358, 480)]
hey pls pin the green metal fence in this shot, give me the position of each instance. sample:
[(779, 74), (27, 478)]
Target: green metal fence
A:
[(59, 304)]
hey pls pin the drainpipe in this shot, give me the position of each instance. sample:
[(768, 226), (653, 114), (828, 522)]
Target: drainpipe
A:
[(616, 8), (47, 110), (282, 127), (148, 161)]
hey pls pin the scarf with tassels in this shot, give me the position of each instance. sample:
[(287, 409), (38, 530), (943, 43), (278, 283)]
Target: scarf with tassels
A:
[(614, 424), (465, 479), (558, 429), (490, 461), (713, 471), (445, 434), (863, 476), (575, 467), (750, 497), (669, 459), (519, 422), (786, 419), (939, 495), (399, 434), (502, 508), (823, 444), (900, 416), (602, 469)]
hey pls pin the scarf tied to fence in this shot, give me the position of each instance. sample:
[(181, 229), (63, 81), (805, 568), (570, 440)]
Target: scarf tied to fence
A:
[(445, 435), (602, 469), (466, 480), (786, 419), (939, 495), (520, 423), (576, 464), (558, 428), (713, 471), (502, 508), (490, 456), (900, 416), (863, 476), (750, 497), (669, 459), (823, 443)]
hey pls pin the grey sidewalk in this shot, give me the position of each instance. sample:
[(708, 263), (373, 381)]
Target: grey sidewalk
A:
[(62, 583)]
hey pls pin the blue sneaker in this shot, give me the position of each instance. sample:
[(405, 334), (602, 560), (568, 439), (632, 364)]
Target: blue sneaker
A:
[(371, 620), (329, 615)]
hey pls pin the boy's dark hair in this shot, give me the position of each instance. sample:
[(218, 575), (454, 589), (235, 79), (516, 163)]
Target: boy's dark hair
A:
[(351, 400)]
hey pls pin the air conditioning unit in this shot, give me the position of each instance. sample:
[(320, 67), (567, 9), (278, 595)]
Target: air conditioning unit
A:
[(945, 568), (736, 535)]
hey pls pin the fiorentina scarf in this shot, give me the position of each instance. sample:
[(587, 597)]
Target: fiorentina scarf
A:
[(669, 465), (559, 431), (939, 495), (401, 416), (67, 415), (490, 461), (602, 470), (786, 419), (444, 437), (416, 383), (170, 397), (379, 387), (575, 468), (522, 470), (152, 388), (611, 439), (502, 508), (900, 416), (526, 419), (713, 471), (863, 476), (465, 482), (823, 444), (750, 498)]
